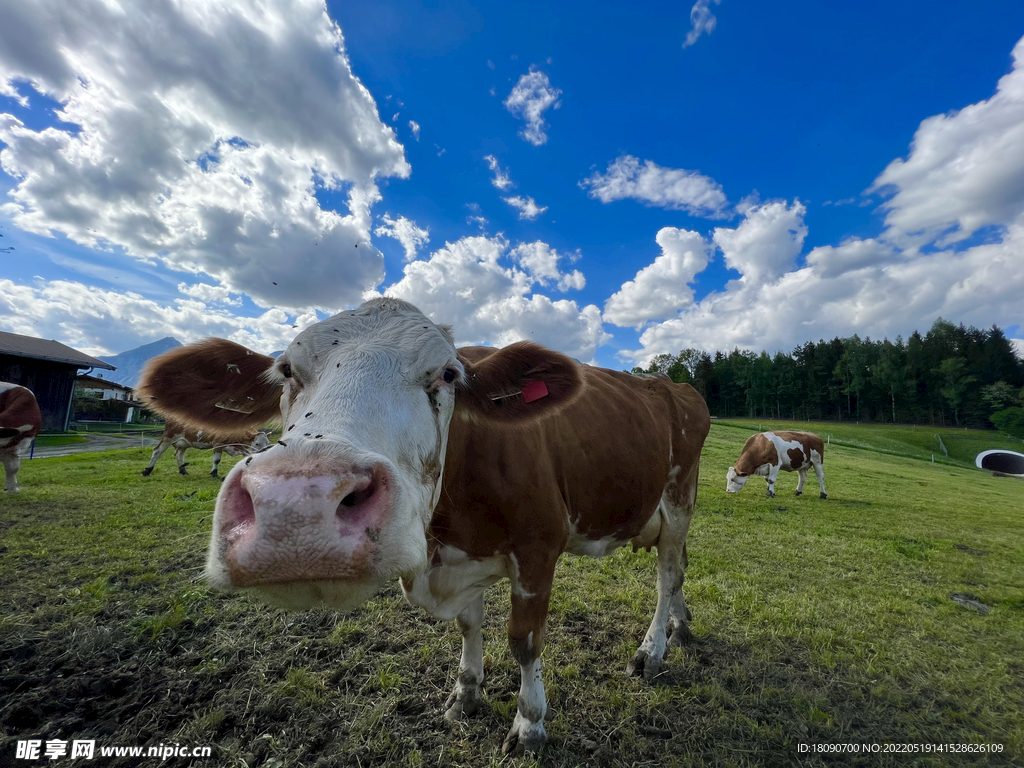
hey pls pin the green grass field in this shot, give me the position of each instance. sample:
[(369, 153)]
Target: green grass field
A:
[(816, 622)]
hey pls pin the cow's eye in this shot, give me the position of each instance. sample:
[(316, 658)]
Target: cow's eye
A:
[(449, 375), (286, 371)]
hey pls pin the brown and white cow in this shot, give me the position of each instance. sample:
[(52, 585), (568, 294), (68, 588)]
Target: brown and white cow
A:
[(767, 453), (20, 421), (182, 437), (449, 469)]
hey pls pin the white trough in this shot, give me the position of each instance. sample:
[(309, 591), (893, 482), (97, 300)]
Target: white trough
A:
[(1002, 461)]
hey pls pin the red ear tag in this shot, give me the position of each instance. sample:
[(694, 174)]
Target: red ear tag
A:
[(534, 390)]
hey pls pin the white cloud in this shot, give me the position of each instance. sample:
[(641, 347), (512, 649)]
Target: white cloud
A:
[(766, 243), (206, 292), (864, 286), (476, 284), (480, 221), (100, 322), (404, 231), (179, 154), (501, 179), (672, 188), (540, 261), (528, 208), (965, 170), (701, 21), (980, 286), (415, 128), (530, 97), (662, 289)]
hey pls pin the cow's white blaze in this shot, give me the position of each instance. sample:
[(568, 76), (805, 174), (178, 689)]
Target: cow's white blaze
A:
[(349, 489), (733, 482)]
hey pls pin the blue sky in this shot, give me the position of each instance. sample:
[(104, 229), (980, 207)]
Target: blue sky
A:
[(611, 181)]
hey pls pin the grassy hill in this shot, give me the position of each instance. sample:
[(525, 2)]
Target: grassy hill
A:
[(915, 442)]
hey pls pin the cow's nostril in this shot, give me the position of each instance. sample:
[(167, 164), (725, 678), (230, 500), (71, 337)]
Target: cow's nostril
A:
[(238, 513), (362, 493)]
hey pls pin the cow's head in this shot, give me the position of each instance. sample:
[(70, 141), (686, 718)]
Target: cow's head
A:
[(259, 443), (734, 481), (341, 504)]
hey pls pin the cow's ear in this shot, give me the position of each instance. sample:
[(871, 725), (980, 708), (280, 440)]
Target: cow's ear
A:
[(212, 384), (520, 382)]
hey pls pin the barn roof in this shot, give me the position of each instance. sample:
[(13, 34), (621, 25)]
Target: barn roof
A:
[(47, 349)]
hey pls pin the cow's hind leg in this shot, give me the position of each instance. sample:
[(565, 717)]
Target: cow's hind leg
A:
[(162, 446), (217, 454), (465, 698), (671, 615), (820, 472), (12, 463), (179, 456)]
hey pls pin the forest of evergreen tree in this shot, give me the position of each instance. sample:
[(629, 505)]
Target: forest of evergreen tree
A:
[(951, 376)]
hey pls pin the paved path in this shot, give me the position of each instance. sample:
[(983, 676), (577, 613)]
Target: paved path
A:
[(95, 443)]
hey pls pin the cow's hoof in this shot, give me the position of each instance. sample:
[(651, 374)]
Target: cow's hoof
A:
[(645, 664), (11, 490), (823, 496), (214, 474), (799, 493), (518, 743), (770, 494), (181, 469), (147, 471), (457, 710)]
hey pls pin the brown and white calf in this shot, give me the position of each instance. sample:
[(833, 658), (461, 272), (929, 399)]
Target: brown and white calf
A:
[(447, 468), (20, 421), (767, 453), (182, 438)]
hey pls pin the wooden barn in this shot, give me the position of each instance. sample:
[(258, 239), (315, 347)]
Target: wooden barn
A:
[(49, 369)]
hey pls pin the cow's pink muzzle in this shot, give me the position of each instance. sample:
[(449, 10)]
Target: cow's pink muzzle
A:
[(288, 521)]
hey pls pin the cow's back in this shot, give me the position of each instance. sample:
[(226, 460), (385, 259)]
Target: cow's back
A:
[(599, 465), (809, 440), (177, 432)]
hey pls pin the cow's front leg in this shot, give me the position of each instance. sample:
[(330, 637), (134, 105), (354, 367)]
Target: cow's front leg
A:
[(162, 446), (526, 629), (12, 463), (801, 481), (773, 475), (465, 698)]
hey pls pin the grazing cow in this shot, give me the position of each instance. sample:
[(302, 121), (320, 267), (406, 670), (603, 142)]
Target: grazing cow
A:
[(20, 421), (182, 438), (450, 469), (768, 452)]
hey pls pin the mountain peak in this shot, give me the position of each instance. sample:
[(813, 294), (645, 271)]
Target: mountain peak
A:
[(130, 363)]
